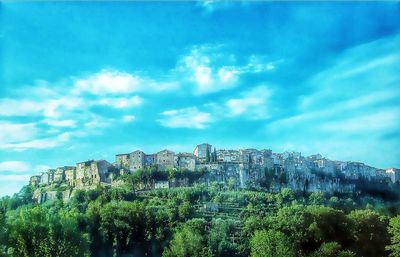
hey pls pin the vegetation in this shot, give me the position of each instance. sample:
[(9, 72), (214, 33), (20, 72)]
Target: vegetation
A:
[(198, 221)]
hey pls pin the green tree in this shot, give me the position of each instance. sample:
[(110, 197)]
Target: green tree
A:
[(331, 249), (35, 233), (325, 224), (220, 237), (316, 198), (185, 210), (3, 228), (23, 197), (271, 243), (64, 237), (93, 227), (123, 223), (394, 230), (231, 183), (208, 155), (188, 241), (285, 196), (79, 200), (369, 232)]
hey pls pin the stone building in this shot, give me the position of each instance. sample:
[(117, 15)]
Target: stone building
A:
[(244, 167), (34, 180), (59, 174), (92, 172), (203, 152), (137, 160), (51, 175), (185, 161), (228, 155), (150, 159), (134, 161), (44, 178), (122, 161), (70, 176), (165, 159), (325, 165)]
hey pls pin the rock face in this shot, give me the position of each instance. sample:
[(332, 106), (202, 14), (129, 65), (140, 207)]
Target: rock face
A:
[(241, 168)]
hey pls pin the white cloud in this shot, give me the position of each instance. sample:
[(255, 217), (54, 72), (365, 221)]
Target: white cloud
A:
[(13, 132), (185, 118), (58, 107), (352, 94), (108, 82), (201, 69), (20, 166), (227, 75), (49, 107), (14, 166), (270, 66), (67, 113), (120, 102), (351, 112), (128, 118), (338, 110), (21, 107), (203, 76), (214, 5), (382, 120), (60, 123), (355, 74), (259, 64), (43, 143), (211, 70), (253, 104)]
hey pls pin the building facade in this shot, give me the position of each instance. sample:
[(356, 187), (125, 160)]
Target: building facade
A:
[(165, 160), (203, 152)]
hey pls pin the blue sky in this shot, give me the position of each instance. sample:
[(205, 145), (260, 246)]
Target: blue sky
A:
[(84, 80)]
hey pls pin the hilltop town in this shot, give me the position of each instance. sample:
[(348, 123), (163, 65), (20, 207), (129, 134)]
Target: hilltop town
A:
[(244, 168)]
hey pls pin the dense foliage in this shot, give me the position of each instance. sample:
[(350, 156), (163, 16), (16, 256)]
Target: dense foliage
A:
[(198, 221)]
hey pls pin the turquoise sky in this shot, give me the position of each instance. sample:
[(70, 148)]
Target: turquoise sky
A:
[(84, 80)]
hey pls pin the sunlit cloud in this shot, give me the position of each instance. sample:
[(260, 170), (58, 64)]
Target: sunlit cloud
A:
[(42, 143), (185, 118), (16, 132), (120, 102), (16, 166), (128, 118), (210, 69), (353, 106), (252, 104), (117, 82)]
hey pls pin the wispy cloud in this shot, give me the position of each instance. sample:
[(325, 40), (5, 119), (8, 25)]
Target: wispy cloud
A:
[(352, 106), (185, 118), (214, 5), (252, 104), (11, 168), (15, 132), (42, 143), (60, 123), (116, 82), (121, 102), (16, 166), (128, 118), (211, 69), (60, 113), (382, 120)]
